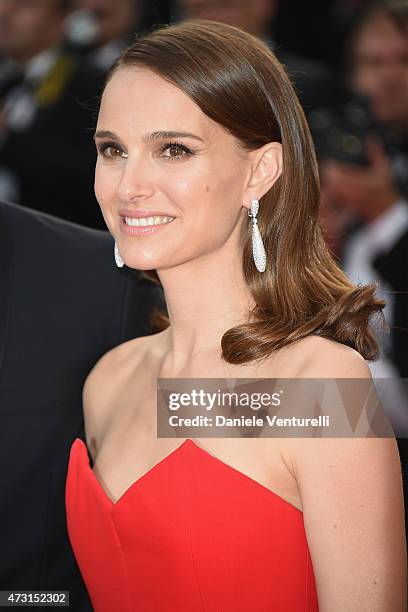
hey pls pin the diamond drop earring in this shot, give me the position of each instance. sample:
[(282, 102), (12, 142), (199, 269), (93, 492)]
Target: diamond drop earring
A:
[(118, 260), (258, 250)]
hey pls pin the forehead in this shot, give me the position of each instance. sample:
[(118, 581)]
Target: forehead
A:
[(139, 99), (381, 35)]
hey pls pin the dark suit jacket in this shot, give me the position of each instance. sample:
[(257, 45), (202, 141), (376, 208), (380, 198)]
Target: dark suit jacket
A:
[(63, 303)]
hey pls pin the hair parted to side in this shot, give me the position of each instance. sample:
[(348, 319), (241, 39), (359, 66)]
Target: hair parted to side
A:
[(238, 82)]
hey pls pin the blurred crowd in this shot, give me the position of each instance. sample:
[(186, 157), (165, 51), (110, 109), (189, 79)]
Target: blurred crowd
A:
[(54, 55)]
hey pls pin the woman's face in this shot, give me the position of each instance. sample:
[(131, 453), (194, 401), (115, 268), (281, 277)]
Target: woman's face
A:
[(160, 156)]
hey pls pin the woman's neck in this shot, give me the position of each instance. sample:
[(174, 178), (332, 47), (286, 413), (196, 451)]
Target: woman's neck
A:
[(204, 299)]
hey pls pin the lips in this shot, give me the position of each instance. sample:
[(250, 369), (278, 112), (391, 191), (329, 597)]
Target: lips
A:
[(142, 212)]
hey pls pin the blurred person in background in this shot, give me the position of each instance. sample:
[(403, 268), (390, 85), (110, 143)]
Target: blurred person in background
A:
[(372, 191), (378, 60), (47, 156), (314, 82), (364, 199), (100, 29)]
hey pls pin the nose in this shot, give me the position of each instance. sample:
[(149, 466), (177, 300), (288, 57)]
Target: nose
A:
[(135, 182)]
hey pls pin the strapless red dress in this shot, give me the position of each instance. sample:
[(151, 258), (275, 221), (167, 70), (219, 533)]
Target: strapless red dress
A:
[(193, 534)]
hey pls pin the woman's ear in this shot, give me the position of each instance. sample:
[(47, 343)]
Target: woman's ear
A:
[(266, 168)]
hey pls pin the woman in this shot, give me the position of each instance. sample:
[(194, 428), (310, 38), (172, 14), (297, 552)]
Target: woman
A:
[(199, 126)]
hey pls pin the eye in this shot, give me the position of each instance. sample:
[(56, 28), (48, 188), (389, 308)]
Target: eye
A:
[(175, 151), (111, 150)]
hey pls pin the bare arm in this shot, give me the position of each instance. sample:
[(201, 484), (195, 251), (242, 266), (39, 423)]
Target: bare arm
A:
[(352, 497), (353, 514)]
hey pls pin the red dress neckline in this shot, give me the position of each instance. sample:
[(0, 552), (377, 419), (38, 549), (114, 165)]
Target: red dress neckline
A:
[(192, 534), (188, 443)]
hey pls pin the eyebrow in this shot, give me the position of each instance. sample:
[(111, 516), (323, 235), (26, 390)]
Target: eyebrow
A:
[(159, 135)]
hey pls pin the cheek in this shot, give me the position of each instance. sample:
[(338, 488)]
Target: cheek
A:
[(104, 187), (185, 194), (181, 186), (364, 80), (204, 183), (215, 203), (99, 187), (104, 184), (31, 23)]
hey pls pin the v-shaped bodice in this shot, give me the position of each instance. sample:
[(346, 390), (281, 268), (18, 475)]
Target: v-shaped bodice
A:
[(192, 534)]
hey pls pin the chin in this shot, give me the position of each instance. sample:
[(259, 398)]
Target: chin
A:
[(136, 262)]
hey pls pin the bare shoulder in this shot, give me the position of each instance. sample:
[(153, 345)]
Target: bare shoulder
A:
[(114, 362), (109, 376), (325, 358), (340, 481)]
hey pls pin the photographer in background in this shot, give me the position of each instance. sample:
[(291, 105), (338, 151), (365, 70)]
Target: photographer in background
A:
[(365, 179), (364, 175)]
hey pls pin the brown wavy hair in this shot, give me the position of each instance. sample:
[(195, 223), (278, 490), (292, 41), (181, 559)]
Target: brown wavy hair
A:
[(238, 82)]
